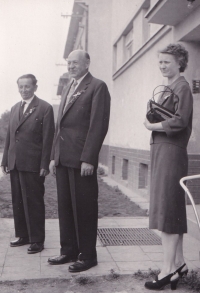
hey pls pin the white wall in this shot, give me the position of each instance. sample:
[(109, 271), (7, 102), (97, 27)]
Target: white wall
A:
[(193, 72), (100, 42), (131, 92), (123, 12)]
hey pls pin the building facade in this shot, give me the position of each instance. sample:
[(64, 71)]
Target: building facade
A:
[(135, 74), (122, 38)]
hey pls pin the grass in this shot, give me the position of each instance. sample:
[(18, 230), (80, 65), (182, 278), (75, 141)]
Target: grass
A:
[(112, 202), (84, 280), (192, 280), (112, 283), (150, 274)]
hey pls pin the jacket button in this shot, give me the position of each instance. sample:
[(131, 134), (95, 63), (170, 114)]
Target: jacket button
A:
[(17, 140), (17, 131)]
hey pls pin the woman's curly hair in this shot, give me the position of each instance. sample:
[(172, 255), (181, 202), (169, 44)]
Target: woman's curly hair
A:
[(179, 52)]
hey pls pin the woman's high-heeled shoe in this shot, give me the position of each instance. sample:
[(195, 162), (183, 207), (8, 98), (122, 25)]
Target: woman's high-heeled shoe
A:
[(160, 284), (180, 272)]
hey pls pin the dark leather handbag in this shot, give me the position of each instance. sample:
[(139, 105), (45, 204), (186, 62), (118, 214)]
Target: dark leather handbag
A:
[(157, 112)]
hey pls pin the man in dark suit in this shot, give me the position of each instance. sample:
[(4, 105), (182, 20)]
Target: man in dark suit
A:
[(26, 157), (81, 128)]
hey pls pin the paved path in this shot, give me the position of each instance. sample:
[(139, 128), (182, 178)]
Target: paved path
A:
[(16, 264)]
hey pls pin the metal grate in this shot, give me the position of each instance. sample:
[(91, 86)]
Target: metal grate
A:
[(128, 236)]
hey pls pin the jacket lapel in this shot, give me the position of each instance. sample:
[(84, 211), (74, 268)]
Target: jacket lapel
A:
[(63, 100), (16, 114), (31, 108), (80, 89)]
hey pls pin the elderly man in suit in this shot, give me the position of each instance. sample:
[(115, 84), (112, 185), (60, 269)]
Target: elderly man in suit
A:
[(81, 128), (26, 157)]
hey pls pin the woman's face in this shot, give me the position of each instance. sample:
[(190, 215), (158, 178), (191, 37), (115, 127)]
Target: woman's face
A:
[(168, 65)]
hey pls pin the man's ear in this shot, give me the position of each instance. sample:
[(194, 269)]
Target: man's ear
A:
[(88, 63), (35, 88)]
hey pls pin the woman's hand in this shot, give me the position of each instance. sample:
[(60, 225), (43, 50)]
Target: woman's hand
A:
[(148, 106), (153, 126), (148, 125)]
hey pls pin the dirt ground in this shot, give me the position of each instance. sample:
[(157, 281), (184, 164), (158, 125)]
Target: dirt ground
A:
[(107, 284), (111, 201)]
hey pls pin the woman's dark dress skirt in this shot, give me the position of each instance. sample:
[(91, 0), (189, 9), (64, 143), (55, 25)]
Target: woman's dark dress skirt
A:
[(169, 163)]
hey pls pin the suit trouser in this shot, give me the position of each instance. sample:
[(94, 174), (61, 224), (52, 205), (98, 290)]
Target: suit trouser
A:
[(86, 198), (28, 205)]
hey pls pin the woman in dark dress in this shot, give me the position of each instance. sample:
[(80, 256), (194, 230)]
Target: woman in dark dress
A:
[(169, 163)]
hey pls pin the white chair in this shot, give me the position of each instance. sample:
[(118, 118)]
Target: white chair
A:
[(189, 194)]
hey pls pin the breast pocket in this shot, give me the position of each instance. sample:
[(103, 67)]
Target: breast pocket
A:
[(37, 125)]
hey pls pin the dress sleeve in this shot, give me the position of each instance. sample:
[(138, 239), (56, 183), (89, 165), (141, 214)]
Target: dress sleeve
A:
[(183, 112)]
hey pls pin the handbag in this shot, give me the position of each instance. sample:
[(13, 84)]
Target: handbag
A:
[(157, 112)]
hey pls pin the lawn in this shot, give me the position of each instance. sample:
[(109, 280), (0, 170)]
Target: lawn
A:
[(112, 203), (111, 283)]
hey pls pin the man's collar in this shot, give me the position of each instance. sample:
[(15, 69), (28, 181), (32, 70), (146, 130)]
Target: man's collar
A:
[(80, 79), (28, 101)]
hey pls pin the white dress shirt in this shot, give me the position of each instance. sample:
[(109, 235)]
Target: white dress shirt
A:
[(79, 80), (28, 101)]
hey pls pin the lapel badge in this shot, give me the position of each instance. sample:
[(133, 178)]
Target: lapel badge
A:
[(30, 112), (74, 97)]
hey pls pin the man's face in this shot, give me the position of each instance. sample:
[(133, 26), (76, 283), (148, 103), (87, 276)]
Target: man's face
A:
[(26, 88), (77, 64)]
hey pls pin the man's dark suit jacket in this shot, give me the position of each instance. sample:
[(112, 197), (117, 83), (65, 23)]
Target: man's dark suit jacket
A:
[(28, 142), (81, 129)]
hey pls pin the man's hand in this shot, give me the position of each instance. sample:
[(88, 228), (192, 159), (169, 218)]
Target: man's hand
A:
[(86, 169), (5, 170), (52, 168), (44, 172)]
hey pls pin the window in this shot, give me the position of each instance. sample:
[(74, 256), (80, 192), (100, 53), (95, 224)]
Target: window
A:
[(115, 58), (113, 164), (145, 27), (196, 86), (143, 176), (128, 45), (125, 169)]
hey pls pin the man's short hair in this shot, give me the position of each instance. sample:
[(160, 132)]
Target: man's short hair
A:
[(31, 76)]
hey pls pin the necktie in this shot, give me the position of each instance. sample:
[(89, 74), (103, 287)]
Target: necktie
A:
[(70, 93), (21, 110)]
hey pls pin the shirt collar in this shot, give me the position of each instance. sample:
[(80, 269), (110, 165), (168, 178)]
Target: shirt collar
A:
[(80, 79), (28, 101)]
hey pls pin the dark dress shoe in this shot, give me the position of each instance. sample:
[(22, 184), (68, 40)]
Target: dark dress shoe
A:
[(21, 241), (182, 272), (35, 247), (160, 284), (61, 259), (82, 265)]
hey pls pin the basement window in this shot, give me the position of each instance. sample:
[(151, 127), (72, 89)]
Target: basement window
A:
[(125, 169), (113, 164), (143, 176)]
